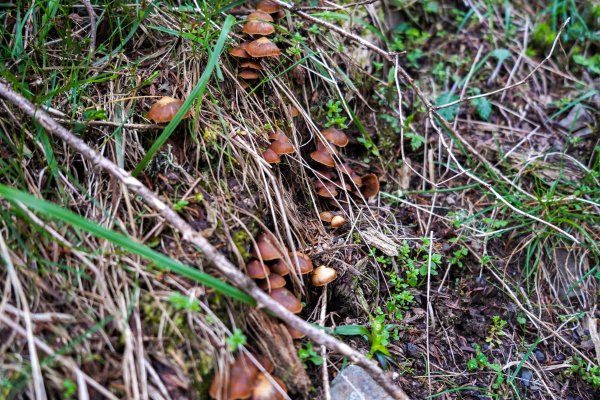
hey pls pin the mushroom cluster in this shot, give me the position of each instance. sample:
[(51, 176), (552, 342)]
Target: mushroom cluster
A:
[(258, 23), (246, 381), (280, 145)]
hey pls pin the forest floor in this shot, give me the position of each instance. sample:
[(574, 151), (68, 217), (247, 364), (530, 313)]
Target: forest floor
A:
[(472, 273)]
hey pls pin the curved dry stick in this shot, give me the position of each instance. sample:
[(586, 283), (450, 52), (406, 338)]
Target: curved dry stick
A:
[(93, 17), (220, 262)]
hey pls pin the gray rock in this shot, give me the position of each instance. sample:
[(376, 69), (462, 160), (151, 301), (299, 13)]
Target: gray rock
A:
[(353, 383)]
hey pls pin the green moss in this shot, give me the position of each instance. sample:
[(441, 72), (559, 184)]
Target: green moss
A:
[(242, 241)]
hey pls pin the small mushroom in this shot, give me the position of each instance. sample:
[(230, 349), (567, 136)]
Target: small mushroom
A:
[(257, 270), (304, 264), (281, 268), (336, 137), (248, 74), (294, 112), (251, 65), (326, 189), (286, 299), (260, 16), (273, 281), (337, 221), (242, 376), (326, 216), (323, 275), (282, 147), (323, 157), (263, 47), (370, 185), (278, 135), (267, 248), (268, 6), (239, 52), (345, 168), (258, 27), (265, 390), (164, 110), (271, 157), (295, 333)]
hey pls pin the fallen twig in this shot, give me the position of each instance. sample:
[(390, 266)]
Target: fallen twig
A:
[(93, 17), (220, 262)]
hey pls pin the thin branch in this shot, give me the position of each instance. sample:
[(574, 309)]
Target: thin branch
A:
[(220, 262), (93, 17)]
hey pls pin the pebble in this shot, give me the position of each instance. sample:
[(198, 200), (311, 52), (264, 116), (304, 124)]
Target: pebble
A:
[(354, 383), (526, 376), (540, 356)]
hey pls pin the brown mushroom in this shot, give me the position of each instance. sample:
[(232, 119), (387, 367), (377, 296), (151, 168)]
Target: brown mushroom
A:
[(248, 74), (267, 248), (242, 376), (273, 281), (263, 47), (257, 270), (278, 135), (345, 168), (271, 157), (323, 275), (326, 189), (335, 136), (239, 52), (282, 147), (326, 216), (323, 157), (251, 65), (294, 112), (258, 27), (304, 264), (264, 389), (260, 16), (268, 6), (164, 110), (295, 333), (370, 185), (337, 221), (286, 299)]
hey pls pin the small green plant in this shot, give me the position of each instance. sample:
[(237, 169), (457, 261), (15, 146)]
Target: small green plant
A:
[(589, 373), (334, 111), (69, 388), (308, 353), (236, 340), (458, 257), (496, 332), (180, 205), (480, 362), (181, 302)]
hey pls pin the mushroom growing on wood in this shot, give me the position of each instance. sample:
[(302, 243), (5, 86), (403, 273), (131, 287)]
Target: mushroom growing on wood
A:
[(263, 47), (165, 109)]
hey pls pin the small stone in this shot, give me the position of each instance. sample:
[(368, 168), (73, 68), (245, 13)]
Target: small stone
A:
[(354, 383), (526, 377), (540, 356), (412, 349)]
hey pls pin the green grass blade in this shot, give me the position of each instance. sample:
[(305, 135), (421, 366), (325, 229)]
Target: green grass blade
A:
[(196, 94), (160, 261)]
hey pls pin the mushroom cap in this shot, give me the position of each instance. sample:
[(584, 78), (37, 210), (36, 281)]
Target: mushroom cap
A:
[(251, 65), (260, 16), (323, 275), (257, 270), (263, 47), (239, 52), (346, 170), (370, 185), (268, 6), (164, 110), (294, 112), (326, 189), (295, 333), (258, 27), (273, 281), (323, 157), (286, 299), (271, 157), (267, 248), (280, 268), (278, 135), (249, 74), (335, 136), (242, 375), (326, 216), (265, 390), (337, 221), (326, 174), (326, 148), (265, 362), (304, 264), (282, 147)]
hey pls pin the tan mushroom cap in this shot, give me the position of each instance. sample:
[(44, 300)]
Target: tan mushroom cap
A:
[(267, 247), (337, 221), (257, 270), (326, 189), (323, 275), (281, 268), (282, 147), (263, 47), (335, 136), (242, 375), (304, 264), (268, 6), (326, 216), (249, 74), (260, 15), (271, 157), (286, 299), (265, 390), (278, 135), (273, 281), (345, 168), (323, 157), (370, 185), (294, 112), (251, 65), (239, 52), (295, 333), (258, 27), (164, 110)]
